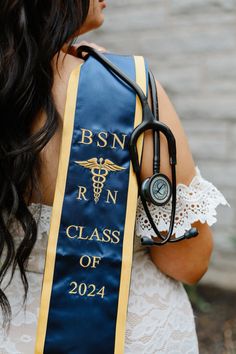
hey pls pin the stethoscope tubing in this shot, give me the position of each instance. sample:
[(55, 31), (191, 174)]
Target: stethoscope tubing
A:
[(150, 121)]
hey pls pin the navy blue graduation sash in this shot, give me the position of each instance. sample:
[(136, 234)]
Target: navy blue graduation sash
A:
[(89, 254)]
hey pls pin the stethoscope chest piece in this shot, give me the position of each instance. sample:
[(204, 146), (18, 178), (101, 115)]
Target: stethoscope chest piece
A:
[(157, 189)]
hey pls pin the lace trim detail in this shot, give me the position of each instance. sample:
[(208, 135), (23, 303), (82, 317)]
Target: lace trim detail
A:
[(196, 202)]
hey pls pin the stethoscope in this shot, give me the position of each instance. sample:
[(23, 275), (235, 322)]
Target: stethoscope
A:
[(157, 189)]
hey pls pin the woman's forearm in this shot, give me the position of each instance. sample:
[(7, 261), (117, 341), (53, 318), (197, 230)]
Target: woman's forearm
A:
[(188, 260)]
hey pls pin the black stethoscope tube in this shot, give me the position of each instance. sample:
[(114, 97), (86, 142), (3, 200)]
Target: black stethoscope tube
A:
[(155, 111), (150, 121)]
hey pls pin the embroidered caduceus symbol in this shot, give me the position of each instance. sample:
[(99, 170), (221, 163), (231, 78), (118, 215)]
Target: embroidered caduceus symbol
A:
[(99, 169)]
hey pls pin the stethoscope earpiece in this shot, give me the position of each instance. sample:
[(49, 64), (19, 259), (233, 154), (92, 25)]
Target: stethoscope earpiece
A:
[(147, 241)]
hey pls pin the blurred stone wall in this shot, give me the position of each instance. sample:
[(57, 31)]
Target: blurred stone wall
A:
[(191, 47)]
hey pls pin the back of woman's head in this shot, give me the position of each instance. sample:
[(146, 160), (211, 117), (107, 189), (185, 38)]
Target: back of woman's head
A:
[(32, 32)]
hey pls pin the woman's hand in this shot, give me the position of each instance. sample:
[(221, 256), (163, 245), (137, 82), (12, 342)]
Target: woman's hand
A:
[(188, 260)]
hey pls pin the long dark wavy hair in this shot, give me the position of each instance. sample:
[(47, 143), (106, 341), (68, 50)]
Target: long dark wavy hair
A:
[(32, 32)]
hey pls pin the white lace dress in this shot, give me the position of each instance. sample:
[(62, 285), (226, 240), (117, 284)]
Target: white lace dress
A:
[(160, 317)]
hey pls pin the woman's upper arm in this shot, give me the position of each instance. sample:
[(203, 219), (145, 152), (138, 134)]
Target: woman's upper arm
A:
[(185, 169), (187, 260)]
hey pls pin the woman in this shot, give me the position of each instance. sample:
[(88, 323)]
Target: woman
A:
[(34, 74)]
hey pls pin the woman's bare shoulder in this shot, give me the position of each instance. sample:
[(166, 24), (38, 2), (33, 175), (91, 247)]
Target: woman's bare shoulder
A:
[(49, 156), (62, 71)]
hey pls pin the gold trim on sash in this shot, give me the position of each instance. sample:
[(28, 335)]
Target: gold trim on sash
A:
[(57, 207), (129, 221)]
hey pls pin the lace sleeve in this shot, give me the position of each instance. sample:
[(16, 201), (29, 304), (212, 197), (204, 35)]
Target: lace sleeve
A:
[(196, 202)]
